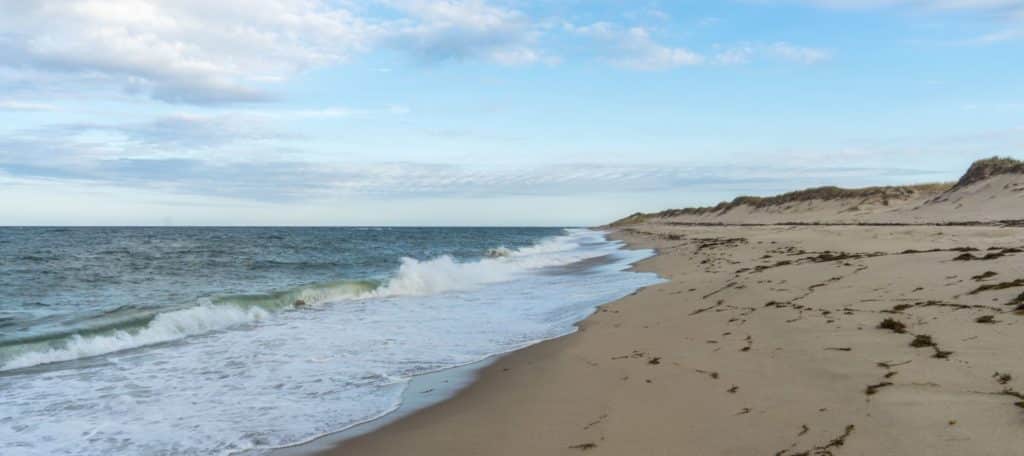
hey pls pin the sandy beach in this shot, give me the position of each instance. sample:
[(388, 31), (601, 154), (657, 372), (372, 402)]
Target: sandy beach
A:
[(511, 228), (772, 338)]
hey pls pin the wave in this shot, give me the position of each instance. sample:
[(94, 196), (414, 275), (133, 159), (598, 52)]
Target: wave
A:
[(445, 274), (164, 327), (498, 252), (413, 278), (159, 327)]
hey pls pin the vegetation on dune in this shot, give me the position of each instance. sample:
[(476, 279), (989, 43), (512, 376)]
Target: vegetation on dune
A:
[(979, 171), (989, 167), (632, 219), (878, 195)]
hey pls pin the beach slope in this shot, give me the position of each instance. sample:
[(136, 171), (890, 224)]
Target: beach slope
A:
[(801, 328)]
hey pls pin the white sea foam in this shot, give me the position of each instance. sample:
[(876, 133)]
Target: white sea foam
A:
[(165, 327), (499, 252), (413, 278), (442, 274), (416, 278), (179, 324), (301, 374)]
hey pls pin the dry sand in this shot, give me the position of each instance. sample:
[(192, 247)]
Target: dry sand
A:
[(766, 341)]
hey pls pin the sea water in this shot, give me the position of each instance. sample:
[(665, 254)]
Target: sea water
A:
[(200, 341)]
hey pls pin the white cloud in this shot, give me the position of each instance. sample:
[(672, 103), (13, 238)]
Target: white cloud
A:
[(327, 112), (997, 37), (14, 105), (1008, 13), (736, 55), (469, 14), (201, 51), (173, 135), (797, 54), (184, 134), (933, 4), (455, 30), (635, 48), (649, 13), (307, 181), (183, 50), (231, 51), (745, 53), (1000, 9)]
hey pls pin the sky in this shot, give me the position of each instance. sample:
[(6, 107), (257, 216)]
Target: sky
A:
[(487, 112)]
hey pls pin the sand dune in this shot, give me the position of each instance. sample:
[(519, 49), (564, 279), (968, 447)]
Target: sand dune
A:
[(991, 190), (788, 339)]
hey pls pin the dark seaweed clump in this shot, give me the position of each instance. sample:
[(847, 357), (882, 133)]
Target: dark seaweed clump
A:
[(893, 325)]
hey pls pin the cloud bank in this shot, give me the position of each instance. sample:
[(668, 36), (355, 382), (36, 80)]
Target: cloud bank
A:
[(239, 51), (79, 161), (229, 51)]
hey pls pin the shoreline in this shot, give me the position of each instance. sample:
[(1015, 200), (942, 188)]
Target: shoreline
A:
[(469, 380), (432, 390), (422, 392), (789, 351)]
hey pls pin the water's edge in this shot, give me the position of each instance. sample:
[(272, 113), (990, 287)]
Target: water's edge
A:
[(423, 392), (431, 389)]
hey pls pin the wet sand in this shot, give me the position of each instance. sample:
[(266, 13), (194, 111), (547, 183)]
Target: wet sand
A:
[(765, 340)]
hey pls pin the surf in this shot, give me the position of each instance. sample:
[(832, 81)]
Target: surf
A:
[(413, 278)]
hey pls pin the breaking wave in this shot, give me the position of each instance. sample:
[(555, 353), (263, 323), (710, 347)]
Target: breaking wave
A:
[(413, 278)]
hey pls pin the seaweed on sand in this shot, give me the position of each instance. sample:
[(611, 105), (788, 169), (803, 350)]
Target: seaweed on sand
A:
[(893, 325)]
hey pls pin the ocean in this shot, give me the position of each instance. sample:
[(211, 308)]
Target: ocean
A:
[(207, 341)]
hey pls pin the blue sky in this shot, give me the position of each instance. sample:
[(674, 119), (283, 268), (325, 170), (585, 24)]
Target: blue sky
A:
[(415, 112)]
